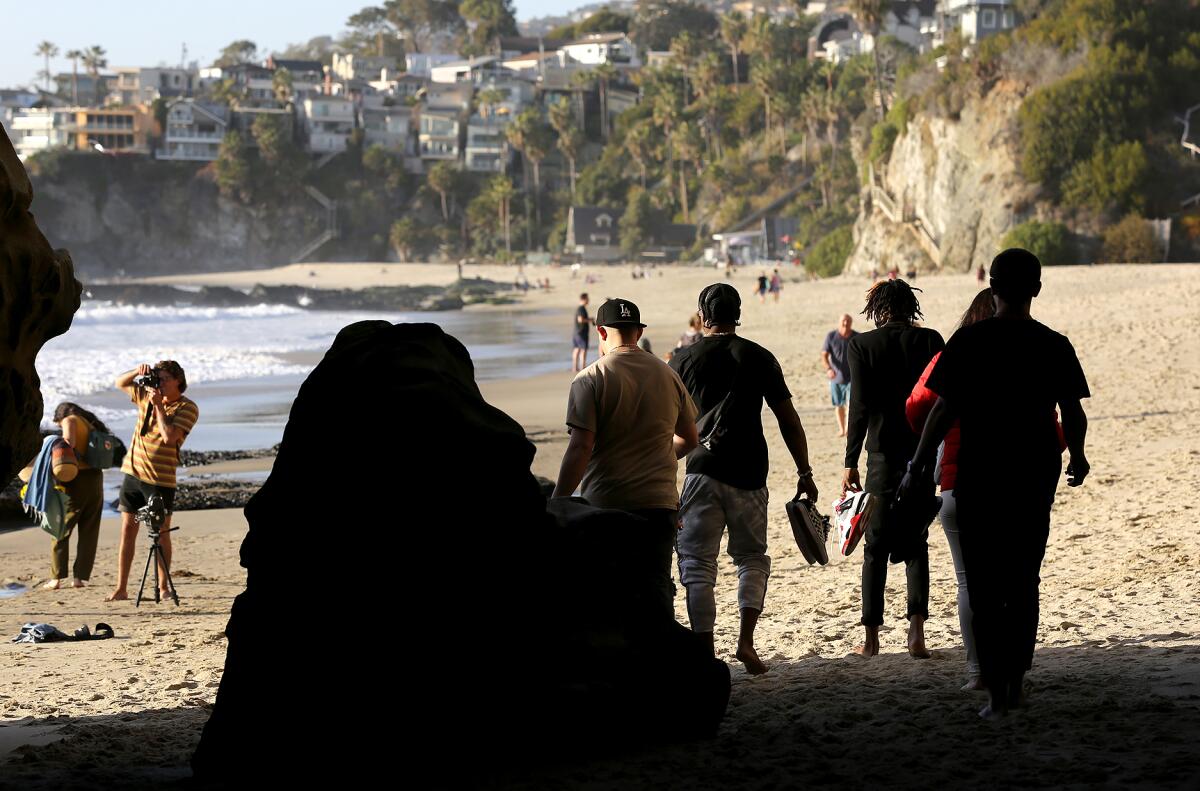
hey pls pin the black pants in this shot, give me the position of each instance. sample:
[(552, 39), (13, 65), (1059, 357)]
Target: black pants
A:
[(883, 478), (660, 545), (1003, 543)]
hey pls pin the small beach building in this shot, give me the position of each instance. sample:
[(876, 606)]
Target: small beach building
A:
[(593, 234)]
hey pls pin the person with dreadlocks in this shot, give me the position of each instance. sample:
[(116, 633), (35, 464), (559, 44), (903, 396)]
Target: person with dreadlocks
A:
[(729, 378), (885, 363)]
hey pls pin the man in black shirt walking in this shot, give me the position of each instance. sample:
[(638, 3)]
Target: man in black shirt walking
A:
[(726, 483), (885, 363), (579, 340), (1002, 379)]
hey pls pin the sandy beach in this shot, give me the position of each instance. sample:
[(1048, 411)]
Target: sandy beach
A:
[(1116, 684)]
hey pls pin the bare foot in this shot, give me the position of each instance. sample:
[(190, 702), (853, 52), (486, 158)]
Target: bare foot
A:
[(841, 433), (164, 594), (52, 585), (78, 583), (870, 646), (974, 684), (916, 640), (989, 712), (749, 657), (118, 595)]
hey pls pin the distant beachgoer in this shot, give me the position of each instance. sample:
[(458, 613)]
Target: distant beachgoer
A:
[(911, 275), (644, 344), (776, 285), (581, 335), (631, 419), (726, 483), (917, 409), (893, 273), (165, 417), (835, 356), (1002, 378), (693, 332), (980, 275), (874, 275), (86, 491), (885, 363), (763, 285)]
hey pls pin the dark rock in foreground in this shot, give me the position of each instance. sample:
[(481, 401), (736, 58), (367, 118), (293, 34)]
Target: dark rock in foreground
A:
[(493, 633)]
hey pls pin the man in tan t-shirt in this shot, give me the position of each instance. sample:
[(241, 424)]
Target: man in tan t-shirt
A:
[(631, 420)]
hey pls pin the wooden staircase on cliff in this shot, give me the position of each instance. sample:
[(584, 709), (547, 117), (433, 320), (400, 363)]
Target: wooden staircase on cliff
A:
[(331, 231), (913, 219)]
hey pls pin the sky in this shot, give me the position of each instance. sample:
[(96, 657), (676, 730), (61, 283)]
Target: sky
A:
[(147, 34)]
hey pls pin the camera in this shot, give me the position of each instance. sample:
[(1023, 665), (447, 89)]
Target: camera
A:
[(154, 513), (148, 380)]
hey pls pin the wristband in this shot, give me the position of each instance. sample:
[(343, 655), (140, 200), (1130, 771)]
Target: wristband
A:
[(807, 474)]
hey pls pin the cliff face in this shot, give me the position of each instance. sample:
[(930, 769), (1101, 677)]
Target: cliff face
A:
[(134, 216), (949, 193)]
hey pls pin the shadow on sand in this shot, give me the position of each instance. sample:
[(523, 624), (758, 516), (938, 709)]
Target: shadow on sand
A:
[(1123, 714)]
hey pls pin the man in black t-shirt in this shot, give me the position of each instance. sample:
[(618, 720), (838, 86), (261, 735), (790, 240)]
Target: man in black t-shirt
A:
[(726, 481), (1002, 379), (579, 338)]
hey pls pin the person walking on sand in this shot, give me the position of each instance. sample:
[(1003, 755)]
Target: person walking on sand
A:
[(980, 275), (776, 285), (761, 289), (631, 420), (917, 409), (726, 481), (86, 491), (885, 363), (835, 357), (580, 335), (165, 417), (1002, 378), (693, 334)]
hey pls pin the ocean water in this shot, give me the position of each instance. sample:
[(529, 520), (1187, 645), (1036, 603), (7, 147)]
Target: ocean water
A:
[(235, 359)]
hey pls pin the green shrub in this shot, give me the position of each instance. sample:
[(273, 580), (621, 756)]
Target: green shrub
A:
[(1049, 241), (828, 257), (1131, 241), (1115, 177)]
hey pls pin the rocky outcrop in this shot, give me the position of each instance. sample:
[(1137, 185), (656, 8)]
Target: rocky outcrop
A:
[(949, 192), (410, 601), (38, 297)]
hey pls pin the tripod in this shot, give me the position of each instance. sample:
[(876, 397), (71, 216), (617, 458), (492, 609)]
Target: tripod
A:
[(156, 553)]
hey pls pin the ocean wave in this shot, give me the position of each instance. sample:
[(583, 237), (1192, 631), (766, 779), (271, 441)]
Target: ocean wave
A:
[(91, 313)]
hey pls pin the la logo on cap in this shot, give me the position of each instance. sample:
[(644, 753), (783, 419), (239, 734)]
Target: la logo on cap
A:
[(624, 310)]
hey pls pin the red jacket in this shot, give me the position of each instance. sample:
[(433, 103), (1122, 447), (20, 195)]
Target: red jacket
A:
[(917, 408)]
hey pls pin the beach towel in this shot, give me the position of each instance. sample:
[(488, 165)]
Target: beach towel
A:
[(42, 497), (48, 633)]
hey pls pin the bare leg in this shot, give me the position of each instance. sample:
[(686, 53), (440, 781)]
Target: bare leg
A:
[(916, 638), (164, 539), (129, 530), (841, 420), (745, 650), (870, 646)]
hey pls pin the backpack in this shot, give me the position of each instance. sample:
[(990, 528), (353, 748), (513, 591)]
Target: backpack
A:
[(104, 450)]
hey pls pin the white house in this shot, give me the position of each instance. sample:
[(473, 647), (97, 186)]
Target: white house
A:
[(464, 70), (194, 131), (328, 122), (487, 147), (399, 86), (596, 48), (349, 66), (978, 19), (390, 127), (439, 134), (139, 85), (37, 129), (420, 64)]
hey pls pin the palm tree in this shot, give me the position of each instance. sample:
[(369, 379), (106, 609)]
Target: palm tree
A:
[(501, 191), (47, 50), (604, 74), (686, 141), (570, 138), (640, 147), (75, 55), (766, 78), (441, 181), (94, 61), (869, 14), (281, 84), (733, 30), (761, 37)]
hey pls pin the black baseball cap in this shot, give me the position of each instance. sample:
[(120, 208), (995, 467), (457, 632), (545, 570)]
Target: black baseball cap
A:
[(618, 313)]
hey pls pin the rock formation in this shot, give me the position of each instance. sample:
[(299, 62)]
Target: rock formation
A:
[(957, 183), (38, 297), (460, 627)]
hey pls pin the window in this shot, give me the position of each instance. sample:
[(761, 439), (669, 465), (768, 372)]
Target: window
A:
[(1006, 19), (604, 221), (988, 18)]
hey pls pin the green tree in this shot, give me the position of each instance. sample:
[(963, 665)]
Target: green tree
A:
[(419, 21), (94, 60), (233, 167), (501, 191), (733, 31), (603, 21), (47, 50), (828, 257), (277, 150), (687, 145), (234, 53), (658, 22), (1131, 241), (1114, 177), (281, 84), (637, 222), (441, 178), (75, 55), (639, 145), (408, 238), (1049, 241), (869, 14), (486, 20), (570, 137), (371, 24)]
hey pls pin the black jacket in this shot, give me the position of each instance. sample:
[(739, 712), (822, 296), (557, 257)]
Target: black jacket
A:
[(885, 363)]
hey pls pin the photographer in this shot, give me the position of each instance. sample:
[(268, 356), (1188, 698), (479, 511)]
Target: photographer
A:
[(165, 418)]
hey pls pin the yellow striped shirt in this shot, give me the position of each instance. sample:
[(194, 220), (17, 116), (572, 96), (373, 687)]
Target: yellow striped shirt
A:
[(150, 459)]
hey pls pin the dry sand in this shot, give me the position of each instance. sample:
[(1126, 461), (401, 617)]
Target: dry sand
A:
[(1116, 683)]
